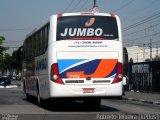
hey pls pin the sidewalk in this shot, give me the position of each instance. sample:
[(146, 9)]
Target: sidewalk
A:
[(143, 97)]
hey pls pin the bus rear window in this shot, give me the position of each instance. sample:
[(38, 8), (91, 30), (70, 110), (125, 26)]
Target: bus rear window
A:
[(87, 27)]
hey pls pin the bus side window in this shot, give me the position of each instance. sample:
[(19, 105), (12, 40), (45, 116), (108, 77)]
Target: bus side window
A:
[(40, 42), (36, 44), (46, 37), (27, 49), (34, 49), (43, 40)]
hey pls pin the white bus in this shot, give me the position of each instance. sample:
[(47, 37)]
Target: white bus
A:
[(74, 55)]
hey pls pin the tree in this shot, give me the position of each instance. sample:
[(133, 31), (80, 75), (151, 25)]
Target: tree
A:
[(147, 60), (6, 64), (131, 60), (157, 58), (2, 49), (2, 38), (15, 63), (125, 60)]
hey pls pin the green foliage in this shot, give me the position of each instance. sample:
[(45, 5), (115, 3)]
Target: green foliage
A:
[(147, 60), (6, 64), (157, 58), (1, 40), (15, 63), (4, 59), (2, 49), (131, 60), (10, 62)]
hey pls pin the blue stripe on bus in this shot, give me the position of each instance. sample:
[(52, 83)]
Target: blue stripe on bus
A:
[(65, 63), (88, 68)]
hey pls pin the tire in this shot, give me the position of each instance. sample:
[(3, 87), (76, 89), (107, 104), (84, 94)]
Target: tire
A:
[(24, 87), (92, 103), (28, 97), (40, 101)]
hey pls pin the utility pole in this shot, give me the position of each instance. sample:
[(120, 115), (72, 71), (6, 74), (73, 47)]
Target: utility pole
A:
[(137, 57), (143, 52), (157, 50), (150, 47), (95, 6), (150, 44)]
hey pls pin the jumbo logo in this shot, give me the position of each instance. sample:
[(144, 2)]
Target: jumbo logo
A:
[(90, 22), (79, 32)]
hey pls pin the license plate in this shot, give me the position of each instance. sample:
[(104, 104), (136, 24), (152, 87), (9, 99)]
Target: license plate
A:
[(88, 90)]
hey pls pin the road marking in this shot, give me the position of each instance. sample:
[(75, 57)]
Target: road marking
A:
[(9, 86), (1, 86)]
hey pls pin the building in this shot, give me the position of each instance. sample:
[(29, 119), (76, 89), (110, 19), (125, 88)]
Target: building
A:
[(140, 54)]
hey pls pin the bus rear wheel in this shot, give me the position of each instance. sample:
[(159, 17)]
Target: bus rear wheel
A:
[(40, 101)]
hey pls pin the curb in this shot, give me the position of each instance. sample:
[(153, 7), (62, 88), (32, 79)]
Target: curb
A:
[(142, 100), (9, 86)]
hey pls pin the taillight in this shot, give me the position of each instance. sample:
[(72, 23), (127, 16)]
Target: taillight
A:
[(59, 15), (55, 76), (113, 15), (119, 75)]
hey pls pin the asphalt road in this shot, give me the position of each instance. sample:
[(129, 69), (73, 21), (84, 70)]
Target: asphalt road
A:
[(14, 106)]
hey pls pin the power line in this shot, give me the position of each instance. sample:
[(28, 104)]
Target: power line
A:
[(141, 44), (123, 6), (12, 41), (141, 30), (141, 37), (130, 51), (153, 17), (69, 5), (83, 5), (144, 8), (75, 5), (16, 29)]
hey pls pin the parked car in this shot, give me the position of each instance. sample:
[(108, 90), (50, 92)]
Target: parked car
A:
[(14, 77), (5, 81)]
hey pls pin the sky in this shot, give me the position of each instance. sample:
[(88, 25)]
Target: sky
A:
[(139, 18)]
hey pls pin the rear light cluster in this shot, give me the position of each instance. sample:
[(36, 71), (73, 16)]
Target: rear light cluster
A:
[(113, 15), (119, 75), (59, 15), (54, 75)]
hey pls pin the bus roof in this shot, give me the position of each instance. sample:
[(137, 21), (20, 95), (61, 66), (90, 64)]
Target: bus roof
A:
[(70, 14), (37, 28), (87, 14)]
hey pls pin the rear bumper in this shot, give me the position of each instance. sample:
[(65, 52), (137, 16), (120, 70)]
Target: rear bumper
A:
[(58, 90)]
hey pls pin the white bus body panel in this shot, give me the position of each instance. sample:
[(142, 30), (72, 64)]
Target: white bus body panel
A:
[(111, 49), (112, 90)]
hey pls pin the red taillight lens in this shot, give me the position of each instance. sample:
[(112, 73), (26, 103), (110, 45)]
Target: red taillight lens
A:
[(59, 15), (55, 76), (113, 15), (119, 75)]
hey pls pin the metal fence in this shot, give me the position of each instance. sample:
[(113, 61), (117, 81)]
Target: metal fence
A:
[(144, 77)]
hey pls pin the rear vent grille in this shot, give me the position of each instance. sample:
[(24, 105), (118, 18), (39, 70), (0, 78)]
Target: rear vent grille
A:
[(101, 81), (74, 81)]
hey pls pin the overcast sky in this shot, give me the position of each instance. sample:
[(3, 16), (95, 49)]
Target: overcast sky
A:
[(18, 17)]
